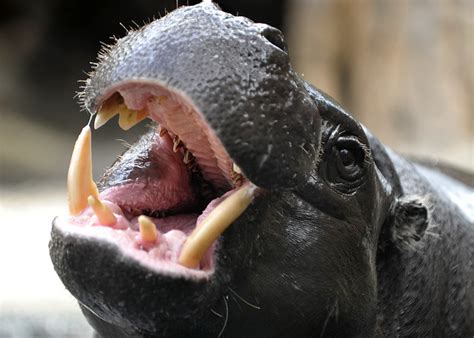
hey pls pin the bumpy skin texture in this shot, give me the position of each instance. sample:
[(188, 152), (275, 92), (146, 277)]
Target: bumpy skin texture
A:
[(385, 253), (232, 72)]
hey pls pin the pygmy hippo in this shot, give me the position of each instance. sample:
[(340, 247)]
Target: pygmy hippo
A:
[(255, 206)]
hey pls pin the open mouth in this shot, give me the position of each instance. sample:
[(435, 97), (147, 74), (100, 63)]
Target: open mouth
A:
[(170, 210)]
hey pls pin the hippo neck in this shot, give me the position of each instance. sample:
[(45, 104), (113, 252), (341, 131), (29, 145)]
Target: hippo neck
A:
[(422, 285)]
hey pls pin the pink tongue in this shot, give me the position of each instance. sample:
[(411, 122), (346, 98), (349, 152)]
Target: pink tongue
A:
[(162, 181)]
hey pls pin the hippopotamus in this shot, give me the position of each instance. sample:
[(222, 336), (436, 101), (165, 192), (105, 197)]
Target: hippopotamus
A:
[(255, 205)]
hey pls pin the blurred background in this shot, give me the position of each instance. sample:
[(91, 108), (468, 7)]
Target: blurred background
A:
[(404, 68)]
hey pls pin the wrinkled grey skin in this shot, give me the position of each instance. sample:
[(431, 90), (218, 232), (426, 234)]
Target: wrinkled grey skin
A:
[(387, 252)]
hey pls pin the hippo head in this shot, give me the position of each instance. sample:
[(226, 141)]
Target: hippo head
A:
[(239, 143)]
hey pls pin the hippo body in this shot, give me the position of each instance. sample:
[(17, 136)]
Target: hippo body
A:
[(423, 282), (343, 237)]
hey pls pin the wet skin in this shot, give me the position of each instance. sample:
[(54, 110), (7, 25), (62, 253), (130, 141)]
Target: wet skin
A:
[(347, 237)]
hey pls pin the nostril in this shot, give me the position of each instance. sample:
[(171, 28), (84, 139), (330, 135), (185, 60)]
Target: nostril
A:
[(275, 37)]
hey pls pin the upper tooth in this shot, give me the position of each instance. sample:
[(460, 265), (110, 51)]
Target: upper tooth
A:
[(80, 184), (128, 118), (162, 130), (109, 109), (236, 168), (214, 225), (176, 143), (187, 157), (115, 105), (103, 116)]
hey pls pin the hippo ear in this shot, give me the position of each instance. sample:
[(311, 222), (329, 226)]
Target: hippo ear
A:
[(408, 222)]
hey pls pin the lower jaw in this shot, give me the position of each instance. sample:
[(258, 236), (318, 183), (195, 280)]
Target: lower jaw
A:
[(126, 293), (161, 255)]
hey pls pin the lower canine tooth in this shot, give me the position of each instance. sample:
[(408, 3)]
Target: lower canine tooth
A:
[(147, 228), (80, 184), (103, 213), (214, 225)]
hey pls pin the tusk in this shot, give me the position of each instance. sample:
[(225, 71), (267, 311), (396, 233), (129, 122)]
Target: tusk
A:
[(80, 184), (214, 225)]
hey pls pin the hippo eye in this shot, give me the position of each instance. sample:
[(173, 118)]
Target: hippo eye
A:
[(348, 159), (345, 165)]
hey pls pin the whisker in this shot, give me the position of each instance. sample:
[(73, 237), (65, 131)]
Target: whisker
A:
[(216, 313), (244, 301), (226, 317), (236, 302), (333, 309)]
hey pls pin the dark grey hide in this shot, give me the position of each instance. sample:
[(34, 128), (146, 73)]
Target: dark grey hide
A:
[(349, 239)]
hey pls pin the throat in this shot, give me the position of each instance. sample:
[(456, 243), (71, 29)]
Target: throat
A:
[(163, 181)]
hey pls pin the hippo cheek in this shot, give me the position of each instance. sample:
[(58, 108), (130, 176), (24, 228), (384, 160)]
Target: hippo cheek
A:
[(303, 264)]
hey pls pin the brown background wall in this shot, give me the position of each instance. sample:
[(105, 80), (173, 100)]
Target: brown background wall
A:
[(404, 68)]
